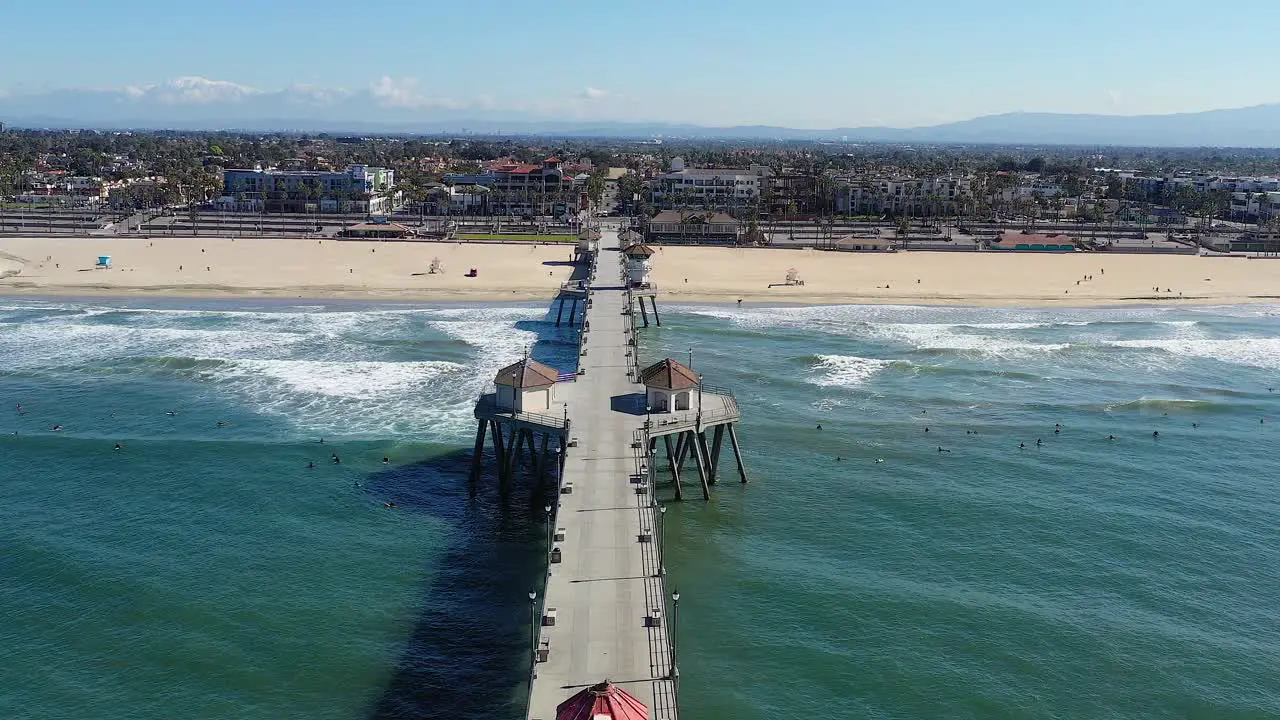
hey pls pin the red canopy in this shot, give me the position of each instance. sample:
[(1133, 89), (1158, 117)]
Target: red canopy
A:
[(603, 700)]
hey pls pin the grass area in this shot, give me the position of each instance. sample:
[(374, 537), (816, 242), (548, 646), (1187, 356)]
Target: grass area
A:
[(26, 206), (518, 237)]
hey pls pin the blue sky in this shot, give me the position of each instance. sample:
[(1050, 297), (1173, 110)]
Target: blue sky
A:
[(799, 63)]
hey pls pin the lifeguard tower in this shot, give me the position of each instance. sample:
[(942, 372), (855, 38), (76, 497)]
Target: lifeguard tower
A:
[(588, 245), (636, 261), (680, 407), (635, 274), (522, 410)]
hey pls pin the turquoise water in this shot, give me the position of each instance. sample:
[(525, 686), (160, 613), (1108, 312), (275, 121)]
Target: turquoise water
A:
[(204, 571)]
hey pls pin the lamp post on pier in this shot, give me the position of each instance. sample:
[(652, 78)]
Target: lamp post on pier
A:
[(533, 625), (699, 401), (675, 629), (547, 509)]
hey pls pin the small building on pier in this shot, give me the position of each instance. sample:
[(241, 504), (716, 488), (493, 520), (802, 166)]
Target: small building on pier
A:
[(669, 386), (527, 386), (637, 264)]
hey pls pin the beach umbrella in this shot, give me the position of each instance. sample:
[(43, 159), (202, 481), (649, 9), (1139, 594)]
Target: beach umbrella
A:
[(604, 701)]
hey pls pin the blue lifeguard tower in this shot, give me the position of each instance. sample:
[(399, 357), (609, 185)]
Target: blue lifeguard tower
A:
[(104, 262)]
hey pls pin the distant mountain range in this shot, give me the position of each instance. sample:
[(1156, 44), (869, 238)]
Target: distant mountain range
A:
[(201, 104)]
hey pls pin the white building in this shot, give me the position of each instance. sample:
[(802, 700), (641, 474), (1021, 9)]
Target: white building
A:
[(637, 264), (526, 386), (670, 386), (706, 187), (943, 195), (359, 188)]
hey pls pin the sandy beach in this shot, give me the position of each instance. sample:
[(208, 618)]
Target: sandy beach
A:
[(309, 268), (274, 267)]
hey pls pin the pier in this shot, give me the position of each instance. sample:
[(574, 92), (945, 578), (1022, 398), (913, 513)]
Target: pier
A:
[(603, 613)]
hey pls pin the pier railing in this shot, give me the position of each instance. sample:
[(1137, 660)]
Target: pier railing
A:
[(666, 696), (488, 405), (539, 605)]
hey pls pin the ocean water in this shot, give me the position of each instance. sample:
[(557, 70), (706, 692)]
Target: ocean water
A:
[(205, 571)]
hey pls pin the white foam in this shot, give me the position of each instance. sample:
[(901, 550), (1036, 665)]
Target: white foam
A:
[(1255, 352), (42, 344), (946, 336), (846, 370), (421, 400), (360, 380)]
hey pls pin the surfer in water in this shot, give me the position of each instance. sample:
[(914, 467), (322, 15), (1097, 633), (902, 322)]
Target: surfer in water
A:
[(118, 448), (56, 428)]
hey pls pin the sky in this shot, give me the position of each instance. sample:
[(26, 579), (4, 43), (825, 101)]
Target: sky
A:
[(803, 63)]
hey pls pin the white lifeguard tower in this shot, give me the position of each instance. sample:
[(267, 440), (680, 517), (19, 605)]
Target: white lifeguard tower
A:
[(637, 264), (669, 386), (525, 387)]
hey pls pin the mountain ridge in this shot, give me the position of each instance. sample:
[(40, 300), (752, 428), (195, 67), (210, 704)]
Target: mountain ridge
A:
[(199, 104)]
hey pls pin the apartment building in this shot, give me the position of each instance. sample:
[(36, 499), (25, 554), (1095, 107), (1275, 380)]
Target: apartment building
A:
[(357, 189), (944, 195), (709, 188), (526, 188)]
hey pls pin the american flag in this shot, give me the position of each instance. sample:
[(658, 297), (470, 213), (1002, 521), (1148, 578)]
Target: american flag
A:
[(567, 377)]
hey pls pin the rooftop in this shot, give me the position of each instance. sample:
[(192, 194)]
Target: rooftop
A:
[(528, 373), (668, 374), (637, 250)]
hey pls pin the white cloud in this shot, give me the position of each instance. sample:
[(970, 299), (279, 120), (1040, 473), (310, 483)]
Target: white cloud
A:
[(591, 93), (314, 95), (406, 93), (191, 91), (1115, 97)]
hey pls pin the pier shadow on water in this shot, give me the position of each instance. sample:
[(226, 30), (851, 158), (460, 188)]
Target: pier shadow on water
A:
[(468, 654)]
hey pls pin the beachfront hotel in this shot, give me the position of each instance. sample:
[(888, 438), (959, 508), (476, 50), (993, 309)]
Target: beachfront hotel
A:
[(357, 189)]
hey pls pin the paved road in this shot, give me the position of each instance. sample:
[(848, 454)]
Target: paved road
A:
[(608, 581)]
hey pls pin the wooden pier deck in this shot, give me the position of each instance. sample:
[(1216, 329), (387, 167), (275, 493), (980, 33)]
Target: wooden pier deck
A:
[(607, 592)]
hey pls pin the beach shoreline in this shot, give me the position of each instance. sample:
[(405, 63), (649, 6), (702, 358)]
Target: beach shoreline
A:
[(373, 271)]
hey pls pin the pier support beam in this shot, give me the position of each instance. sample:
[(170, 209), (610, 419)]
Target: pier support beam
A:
[(573, 312), (643, 313), (653, 300), (717, 437), (499, 448), (675, 466), (560, 310), (701, 462), (737, 453), (513, 449), (543, 459), (476, 459)]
